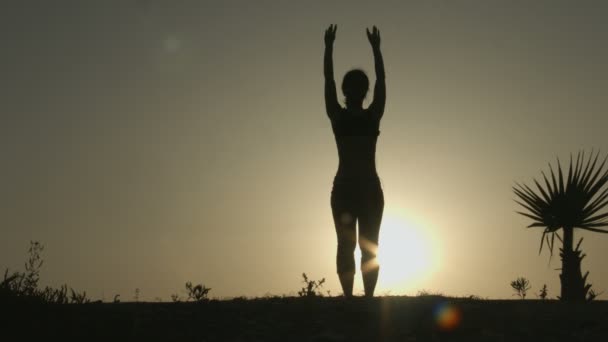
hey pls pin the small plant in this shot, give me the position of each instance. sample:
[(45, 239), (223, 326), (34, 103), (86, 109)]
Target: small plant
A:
[(79, 298), (136, 297), (57, 296), (521, 286), (591, 295), (116, 299), (312, 288), (475, 297), (198, 293), (543, 292), (11, 284), (175, 298), (422, 293), (23, 286), (426, 293), (32, 268)]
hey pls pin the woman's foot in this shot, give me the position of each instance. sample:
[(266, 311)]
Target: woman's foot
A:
[(370, 278), (346, 280)]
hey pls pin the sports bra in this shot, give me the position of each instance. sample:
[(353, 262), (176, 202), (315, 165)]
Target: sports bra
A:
[(355, 124)]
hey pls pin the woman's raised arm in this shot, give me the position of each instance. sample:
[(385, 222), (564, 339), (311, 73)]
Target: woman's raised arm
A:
[(331, 98), (377, 105)]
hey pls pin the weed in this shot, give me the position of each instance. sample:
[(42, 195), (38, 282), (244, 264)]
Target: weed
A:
[(32, 268), (426, 293), (23, 286), (521, 286), (198, 293), (475, 297), (57, 296), (312, 287), (543, 292), (591, 295), (78, 298)]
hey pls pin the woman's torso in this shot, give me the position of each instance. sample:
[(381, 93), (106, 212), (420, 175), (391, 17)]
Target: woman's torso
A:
[(356, 134)]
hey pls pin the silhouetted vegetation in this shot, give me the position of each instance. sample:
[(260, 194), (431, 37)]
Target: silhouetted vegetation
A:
[(23, 286), (198, 293), (312, 288), (521, 286), (78, 298), (543, 292), (273, 317), (592, 294), (427, 293), (566, 203)]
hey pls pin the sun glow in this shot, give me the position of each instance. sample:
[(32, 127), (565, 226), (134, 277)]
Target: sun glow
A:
[(407, 254)]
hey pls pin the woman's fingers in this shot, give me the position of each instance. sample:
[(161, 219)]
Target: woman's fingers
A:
[(374, 35), (332, 29)]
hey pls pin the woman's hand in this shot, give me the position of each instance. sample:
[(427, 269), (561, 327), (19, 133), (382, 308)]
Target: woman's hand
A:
[(374, 37), (330, 35)]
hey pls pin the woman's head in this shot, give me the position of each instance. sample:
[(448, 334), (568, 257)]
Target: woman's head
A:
[(355, 86)]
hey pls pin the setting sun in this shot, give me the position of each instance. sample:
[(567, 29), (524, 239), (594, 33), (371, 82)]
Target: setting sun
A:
[(407, 253)]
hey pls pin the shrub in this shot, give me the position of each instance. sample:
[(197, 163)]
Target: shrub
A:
[(521, 286), (198, 293), (23, 286), (312, 288)]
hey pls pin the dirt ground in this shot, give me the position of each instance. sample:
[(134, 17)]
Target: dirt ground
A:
[(314, 319)]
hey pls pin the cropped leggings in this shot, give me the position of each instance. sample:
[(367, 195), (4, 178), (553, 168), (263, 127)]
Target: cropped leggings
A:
[(353, 202)]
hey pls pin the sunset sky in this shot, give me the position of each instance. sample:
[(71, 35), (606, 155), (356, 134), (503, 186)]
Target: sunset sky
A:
[(150, 143)]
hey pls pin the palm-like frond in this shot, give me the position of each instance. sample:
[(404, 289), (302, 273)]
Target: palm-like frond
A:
[(574, 201)]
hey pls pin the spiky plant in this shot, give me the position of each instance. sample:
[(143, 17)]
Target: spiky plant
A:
[(521, 286), (566, 203)]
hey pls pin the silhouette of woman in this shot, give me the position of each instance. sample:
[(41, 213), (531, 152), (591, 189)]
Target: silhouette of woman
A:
[(357, 194)]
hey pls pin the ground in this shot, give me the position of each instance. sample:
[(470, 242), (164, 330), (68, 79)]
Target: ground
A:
[(427, 318)]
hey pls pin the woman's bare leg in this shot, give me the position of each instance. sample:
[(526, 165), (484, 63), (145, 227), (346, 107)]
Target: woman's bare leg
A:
[(370, 218)]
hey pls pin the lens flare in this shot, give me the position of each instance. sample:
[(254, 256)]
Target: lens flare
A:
[(447, 316)]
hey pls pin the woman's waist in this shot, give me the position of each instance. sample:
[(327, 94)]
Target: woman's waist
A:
[(347, 178), (357, 168)]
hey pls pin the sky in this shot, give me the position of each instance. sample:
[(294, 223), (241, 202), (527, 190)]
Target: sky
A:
[(150, 143)]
